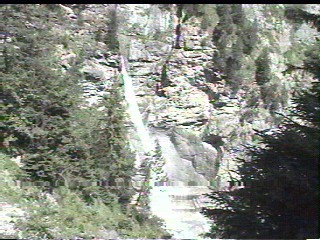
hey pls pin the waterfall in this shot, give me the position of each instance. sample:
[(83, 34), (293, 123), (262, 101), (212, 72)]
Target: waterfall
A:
[(133, 110), (178, 204)]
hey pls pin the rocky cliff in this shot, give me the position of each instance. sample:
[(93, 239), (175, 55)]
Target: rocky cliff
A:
[(185, 91), (182, 91)]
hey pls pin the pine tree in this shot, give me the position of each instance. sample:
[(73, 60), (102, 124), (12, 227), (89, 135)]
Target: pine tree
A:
[(112, 158), (42, 124), (235, 38), (39, 94), (280, 198)]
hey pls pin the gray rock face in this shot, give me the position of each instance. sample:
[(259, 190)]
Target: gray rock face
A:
[(203, 156), (195, 97), (177, 168), (99, 75), (183, 104), (182, 89)]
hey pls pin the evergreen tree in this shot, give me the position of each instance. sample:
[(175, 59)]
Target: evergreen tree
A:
[(298, 15), (280, 198), (40, 98), (235, 38), (109, 151), (42, 124), (38, 95)]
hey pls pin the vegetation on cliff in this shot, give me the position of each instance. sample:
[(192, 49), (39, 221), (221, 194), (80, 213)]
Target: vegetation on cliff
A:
[(279, 198), (74, 153)]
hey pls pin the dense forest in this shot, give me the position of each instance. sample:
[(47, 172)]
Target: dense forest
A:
[(225, 96)]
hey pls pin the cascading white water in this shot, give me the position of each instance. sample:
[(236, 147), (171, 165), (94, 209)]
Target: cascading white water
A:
[(176, 205), (133, 110)]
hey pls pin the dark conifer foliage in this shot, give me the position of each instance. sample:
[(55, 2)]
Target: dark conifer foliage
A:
[(38, 94), (280, 199), (40, 98), (234, 30)]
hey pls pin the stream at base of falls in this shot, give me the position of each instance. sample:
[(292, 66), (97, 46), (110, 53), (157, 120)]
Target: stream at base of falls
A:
[(178, 204)]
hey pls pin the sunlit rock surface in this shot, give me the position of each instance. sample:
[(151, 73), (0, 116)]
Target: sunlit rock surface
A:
[(196, 101)]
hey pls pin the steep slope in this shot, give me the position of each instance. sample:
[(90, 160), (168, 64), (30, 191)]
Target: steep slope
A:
[(195, 90), (203, 78)]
